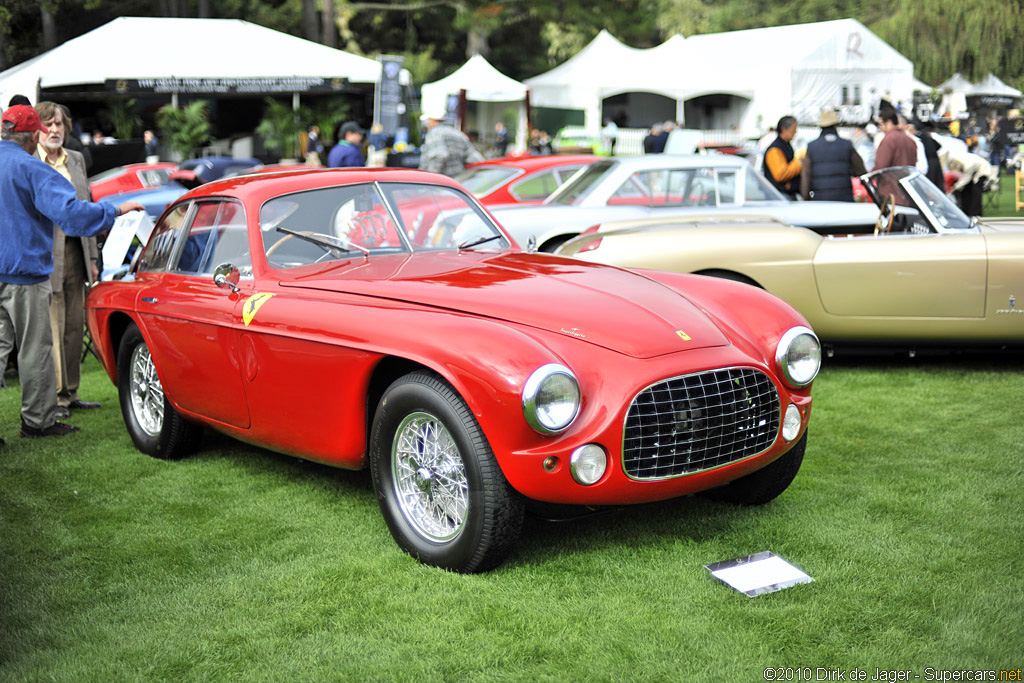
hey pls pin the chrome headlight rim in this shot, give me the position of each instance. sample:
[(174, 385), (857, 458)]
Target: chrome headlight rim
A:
[(782, 363), (532, 388)]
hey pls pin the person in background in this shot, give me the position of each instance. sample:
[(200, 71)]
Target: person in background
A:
[(610, 135), (75, 265), (864, 144), (651, 140), (975, 175), (445, 150), (376, 138), (34, 197), (780, 166), (931, 155), (895, 148), (152, 146), (501, 139), (347, 152), (829, 164), (911, 130)]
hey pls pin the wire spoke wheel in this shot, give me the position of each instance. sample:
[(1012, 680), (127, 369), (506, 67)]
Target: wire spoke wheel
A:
[(147, 396), (429, 477)]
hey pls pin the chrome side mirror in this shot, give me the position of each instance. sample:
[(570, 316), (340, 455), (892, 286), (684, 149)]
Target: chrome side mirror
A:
[(227, 275)]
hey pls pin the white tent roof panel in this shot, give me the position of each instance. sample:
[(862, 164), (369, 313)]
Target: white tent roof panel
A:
[(153, 47)]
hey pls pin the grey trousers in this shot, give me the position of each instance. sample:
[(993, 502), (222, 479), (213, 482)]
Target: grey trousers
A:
[(25, 320), (67, 318)]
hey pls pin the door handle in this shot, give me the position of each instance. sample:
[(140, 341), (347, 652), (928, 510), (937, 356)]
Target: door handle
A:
[(149, 299)]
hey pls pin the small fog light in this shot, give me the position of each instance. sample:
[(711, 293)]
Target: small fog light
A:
[(550, 463), (791, 425), (588, 464)]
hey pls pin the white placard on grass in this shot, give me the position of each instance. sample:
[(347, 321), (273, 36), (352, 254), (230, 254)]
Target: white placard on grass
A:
[(763, 572)]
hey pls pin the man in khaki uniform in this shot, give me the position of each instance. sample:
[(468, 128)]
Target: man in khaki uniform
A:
[(75, 264)]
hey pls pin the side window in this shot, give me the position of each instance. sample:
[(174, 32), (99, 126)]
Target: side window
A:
[(635, 191), (160, 248), (565, 172), (535, 188), (702, 188), (727, 187), (217, 235)]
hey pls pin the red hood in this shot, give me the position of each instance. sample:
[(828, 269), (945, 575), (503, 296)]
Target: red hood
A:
[(612, 308)]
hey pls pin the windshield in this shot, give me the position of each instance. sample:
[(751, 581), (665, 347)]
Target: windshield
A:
[(357, 221), (482, 180), (581, 184), (909, 188)]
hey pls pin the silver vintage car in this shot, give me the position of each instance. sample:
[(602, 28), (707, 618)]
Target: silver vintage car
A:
[(660, 185)]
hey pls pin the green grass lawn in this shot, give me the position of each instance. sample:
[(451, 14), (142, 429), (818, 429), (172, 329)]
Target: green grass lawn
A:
[(1003, 204), (239, 564)]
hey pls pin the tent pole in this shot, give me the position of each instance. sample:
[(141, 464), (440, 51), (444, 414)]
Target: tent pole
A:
[(174, 100)]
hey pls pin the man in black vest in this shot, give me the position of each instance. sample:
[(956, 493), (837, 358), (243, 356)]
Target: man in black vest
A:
[(779, 166), (829, 163)]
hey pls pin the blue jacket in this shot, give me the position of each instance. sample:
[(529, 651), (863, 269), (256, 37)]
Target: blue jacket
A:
[(345, 154), (33, 197)]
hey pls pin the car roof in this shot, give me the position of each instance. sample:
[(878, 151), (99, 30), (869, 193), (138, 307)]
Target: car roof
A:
[(260, 187), (531, 163), (646, 161)]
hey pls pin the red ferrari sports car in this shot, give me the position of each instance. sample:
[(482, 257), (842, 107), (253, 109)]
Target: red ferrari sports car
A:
[(520, 179), (319, 314), (130, 178)]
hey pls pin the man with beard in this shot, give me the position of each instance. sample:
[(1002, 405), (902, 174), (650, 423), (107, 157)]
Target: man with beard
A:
[(75, 264), (34, 196)]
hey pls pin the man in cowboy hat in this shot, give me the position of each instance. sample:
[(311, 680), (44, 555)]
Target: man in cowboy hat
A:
[(829, 164)]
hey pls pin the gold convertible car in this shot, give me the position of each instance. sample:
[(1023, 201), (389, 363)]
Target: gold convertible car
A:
[(926, 273)]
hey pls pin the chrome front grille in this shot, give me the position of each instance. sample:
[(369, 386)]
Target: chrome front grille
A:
[(697, 422)]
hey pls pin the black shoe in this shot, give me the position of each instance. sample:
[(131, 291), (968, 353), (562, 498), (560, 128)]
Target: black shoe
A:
[(79, 404), (62, 413), (56, 429)]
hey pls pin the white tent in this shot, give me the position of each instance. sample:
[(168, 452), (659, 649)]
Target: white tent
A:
[(746, 79), (492, 90), (236, 53), (990, 89)]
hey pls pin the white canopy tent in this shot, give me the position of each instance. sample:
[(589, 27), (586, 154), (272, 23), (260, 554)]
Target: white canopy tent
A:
[(747, 79), (492, 90), (957, 89), (166, 51)]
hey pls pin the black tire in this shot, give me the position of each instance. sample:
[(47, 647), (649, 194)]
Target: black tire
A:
[(160, 433), (458, 512), (765, 485)]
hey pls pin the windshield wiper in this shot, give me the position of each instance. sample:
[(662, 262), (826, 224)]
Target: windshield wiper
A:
[(478, 241), (331, 244)]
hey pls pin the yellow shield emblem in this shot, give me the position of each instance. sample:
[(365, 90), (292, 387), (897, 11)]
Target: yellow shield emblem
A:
[(683, 335), (253, 305)]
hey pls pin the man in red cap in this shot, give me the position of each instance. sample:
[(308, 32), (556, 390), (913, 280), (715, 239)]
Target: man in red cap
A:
[(34, 196)]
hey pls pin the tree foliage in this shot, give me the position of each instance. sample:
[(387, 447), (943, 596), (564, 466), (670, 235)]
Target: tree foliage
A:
[(525, 37), (185, 129)]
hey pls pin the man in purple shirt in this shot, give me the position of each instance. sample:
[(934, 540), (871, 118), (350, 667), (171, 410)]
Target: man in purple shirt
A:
[(34, 196)]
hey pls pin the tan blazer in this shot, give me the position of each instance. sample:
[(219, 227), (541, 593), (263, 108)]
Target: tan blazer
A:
[(76, 167)]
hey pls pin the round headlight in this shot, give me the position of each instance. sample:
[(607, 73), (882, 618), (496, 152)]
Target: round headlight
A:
[(588, 464), (551, 398), (798, 357)]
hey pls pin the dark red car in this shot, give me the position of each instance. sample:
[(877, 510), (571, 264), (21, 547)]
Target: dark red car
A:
[(130, 178), (521, 179)]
